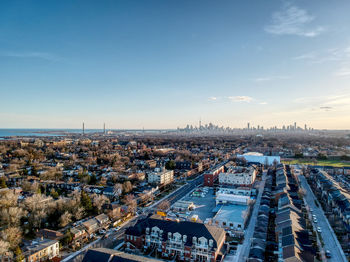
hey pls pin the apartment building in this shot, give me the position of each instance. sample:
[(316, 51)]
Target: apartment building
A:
[(161, 176), (211, 176), (237, 175), (42, 250), (188, 241)]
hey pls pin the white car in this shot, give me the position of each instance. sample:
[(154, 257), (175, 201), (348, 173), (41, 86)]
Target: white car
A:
[(102, 231), (319, 230), (315, 220)]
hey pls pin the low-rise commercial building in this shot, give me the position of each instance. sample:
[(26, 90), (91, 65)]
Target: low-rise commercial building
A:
[(223, 198), (254, 157), (231, 217)]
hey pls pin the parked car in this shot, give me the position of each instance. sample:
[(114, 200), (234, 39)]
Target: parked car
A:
[(315, 220), (328, 254), (319, 230), (102, 231)]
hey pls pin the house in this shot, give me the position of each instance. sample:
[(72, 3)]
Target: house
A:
[(110, 192), (102, 220), (49, 234), (78, 233), (91, 225)]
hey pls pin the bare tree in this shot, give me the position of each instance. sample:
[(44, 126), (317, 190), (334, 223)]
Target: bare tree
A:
[(127, 187), (4, 247), (118, 189), (10, 213), (11, 216), (130, 201), (37, 207), (164, 205), (13, 236), (8, 198), (98, 201), (65, 219), (79, 213)]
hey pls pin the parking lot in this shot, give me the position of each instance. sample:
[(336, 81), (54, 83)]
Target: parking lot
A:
[(203, 205)]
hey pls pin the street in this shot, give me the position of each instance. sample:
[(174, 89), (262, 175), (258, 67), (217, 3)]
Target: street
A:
[(331, 242)]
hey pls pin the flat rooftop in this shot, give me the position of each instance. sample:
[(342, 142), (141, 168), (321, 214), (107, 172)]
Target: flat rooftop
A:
[(231, 213)]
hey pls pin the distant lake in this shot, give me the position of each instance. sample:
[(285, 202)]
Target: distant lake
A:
[(5, 133), (42, 132)]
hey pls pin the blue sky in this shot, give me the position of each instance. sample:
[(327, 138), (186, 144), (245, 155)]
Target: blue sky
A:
[(164, 64)]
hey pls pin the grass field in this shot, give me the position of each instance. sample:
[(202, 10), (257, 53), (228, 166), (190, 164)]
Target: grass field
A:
[(334, 163)]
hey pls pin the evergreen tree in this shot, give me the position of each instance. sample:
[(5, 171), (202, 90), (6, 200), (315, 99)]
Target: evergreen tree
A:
[(18, 254), (2, 182), (86, 202)]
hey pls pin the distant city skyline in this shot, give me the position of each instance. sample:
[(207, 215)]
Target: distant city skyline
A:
[(163, 64)]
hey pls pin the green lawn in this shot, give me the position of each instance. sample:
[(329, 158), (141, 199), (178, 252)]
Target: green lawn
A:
[(335, 163)]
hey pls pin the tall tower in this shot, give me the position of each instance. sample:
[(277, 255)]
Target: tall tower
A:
[(248, 126), (104, 128), (295, 125), (83, 128), (200, 123)]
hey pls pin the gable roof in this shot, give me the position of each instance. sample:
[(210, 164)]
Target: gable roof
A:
[(190, 229)]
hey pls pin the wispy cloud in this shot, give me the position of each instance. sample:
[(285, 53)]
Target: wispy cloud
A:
[(213, 98), (326, 108), (246, 99), (270, 78), (307, 56), (263, 103), (35, 55), (326, 103), (292, 20), (342, 72)]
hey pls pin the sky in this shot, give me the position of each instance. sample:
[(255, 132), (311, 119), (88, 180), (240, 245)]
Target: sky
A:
[(165, 64)]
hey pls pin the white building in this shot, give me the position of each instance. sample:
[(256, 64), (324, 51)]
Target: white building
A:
[(231, 217), (241, 191), (254, 157), (238, 176), (161, 177), (223, 198)]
